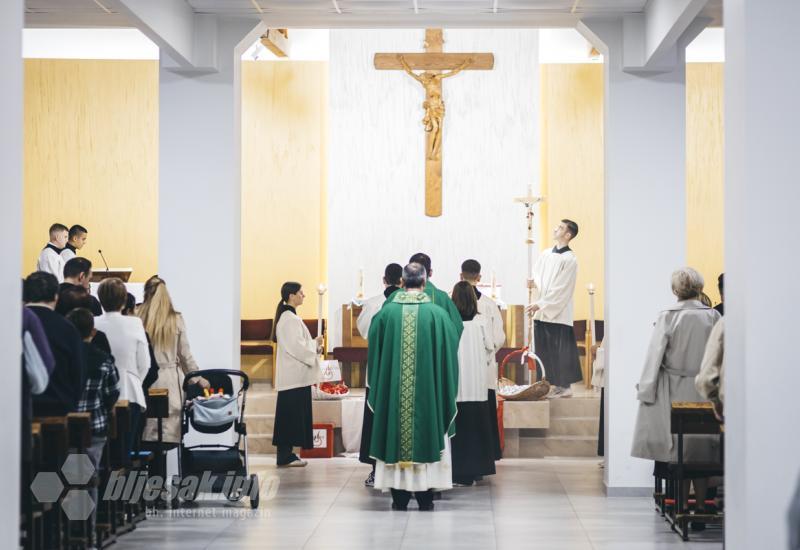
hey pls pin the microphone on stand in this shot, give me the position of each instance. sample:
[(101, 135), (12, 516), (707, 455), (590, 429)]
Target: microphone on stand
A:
[(103, 258)]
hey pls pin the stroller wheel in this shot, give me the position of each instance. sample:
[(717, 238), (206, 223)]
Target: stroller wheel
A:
[(235, 496), (254, 490)]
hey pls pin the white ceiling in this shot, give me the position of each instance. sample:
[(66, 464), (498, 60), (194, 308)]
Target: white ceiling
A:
[(358, 13)]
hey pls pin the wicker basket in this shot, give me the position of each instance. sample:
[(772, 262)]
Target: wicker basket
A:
[(319, 395), (534, 392)]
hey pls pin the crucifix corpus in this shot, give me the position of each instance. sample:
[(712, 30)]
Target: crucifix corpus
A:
[(432, 63)]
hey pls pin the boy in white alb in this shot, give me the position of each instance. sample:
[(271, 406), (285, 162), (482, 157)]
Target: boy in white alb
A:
[(76, 240), (471, 272), (554, 277), (50, 260)]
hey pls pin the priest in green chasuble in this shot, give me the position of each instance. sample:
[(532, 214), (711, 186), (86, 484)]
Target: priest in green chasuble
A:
[(413, 382)]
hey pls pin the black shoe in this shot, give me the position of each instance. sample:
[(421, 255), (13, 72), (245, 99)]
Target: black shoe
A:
[(426, 507), (697, 525), (399, 508)]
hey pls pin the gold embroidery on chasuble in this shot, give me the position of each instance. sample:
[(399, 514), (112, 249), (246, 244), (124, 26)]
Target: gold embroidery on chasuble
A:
[(408, 359)]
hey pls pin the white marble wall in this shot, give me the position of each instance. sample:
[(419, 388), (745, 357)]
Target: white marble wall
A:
[(377, 172)]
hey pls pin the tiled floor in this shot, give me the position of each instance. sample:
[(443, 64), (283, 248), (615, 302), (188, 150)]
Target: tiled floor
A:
[(530, 503)]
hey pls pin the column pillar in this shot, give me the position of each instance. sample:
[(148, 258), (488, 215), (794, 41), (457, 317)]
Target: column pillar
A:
[(762, 409), (199, 252), (645, 233), (11, 103)]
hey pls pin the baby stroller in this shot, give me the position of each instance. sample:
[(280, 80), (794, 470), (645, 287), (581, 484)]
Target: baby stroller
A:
[(226, 465)]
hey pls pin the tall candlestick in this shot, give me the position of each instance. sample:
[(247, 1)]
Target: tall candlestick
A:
[(321, 289)]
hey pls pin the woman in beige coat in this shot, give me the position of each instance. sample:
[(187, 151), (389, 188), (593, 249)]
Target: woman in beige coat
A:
[(167, 332), (673, 360)]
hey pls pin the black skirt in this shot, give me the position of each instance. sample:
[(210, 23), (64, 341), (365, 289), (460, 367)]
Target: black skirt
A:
[(557, 348), (366, 433), (492, 406), (473, 445), (293, 419)]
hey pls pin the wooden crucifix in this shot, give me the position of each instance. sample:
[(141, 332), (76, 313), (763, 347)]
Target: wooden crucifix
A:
[(432, 63)]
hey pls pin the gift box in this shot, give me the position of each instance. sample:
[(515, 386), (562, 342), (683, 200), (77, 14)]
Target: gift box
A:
[(323, 442)]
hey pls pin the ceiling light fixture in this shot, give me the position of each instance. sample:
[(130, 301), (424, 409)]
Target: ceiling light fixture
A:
[(416, 7), (336, 7), (258, 8), (494, 6), (102, 7)]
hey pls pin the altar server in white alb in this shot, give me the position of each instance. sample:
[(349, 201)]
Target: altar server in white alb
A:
[(554, 277), (50, 260), (487, 308), (392, 276), (473, 444), (76, 241)]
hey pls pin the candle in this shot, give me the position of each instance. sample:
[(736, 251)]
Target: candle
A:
[(360, 293), (494, 285), (321, 289)]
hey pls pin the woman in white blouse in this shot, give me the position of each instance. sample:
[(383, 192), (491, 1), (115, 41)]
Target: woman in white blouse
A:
[(128, 343), (297, 369)]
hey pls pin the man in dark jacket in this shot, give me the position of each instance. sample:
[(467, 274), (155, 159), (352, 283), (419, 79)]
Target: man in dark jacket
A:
[(40, 294)]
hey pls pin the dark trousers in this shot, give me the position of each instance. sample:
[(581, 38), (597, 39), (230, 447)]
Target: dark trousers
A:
[(424, 498), (137, 424), (285, 455)]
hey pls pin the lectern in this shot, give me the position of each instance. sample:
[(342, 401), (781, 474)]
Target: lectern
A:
[(123, 273)]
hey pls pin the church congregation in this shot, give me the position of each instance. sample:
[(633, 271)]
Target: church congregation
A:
[(362, 274)]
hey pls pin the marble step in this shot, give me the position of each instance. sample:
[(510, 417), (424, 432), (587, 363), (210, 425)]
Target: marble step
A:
[(260, 424), (575, 407), (578, 425), (260, 403), (557, 446), (260, 444)]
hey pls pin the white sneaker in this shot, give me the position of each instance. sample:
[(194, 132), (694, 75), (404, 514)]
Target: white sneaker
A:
[(566, 392), (555, 392)]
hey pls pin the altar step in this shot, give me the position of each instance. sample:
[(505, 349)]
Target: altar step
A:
[(572, 431)]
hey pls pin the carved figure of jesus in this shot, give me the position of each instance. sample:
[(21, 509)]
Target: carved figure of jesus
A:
[(433, 104)]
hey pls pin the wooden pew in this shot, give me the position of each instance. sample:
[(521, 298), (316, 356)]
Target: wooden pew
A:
[(118, 457), (79, 434), (689, 418), (54, 435), (158, 409), (31, 526)]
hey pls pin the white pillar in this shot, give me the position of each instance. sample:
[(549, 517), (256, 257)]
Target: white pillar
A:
[(762, 409), (199, 252), (11, 22), (645, 234)]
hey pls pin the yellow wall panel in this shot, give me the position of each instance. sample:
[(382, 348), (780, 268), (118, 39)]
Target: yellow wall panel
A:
[(91, 157), (704, 171), (572, 168), (284, 125)]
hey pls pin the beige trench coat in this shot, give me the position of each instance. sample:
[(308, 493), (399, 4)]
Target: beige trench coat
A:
[(173, 365), (673, 360)]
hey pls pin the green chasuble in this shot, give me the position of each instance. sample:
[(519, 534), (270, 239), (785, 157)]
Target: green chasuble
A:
[(413, 380), (441, 299)]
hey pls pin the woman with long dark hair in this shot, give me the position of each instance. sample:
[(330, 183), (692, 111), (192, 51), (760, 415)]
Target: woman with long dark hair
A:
[(296, 370), (473, 444)]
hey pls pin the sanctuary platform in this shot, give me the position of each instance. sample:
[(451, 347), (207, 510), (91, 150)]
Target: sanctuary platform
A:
[(533, 429)]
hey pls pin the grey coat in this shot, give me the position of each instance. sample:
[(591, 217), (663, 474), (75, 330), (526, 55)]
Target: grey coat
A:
[(673, 360)]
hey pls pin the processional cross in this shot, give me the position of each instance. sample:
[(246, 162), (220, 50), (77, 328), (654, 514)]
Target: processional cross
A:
[(432, 63)]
